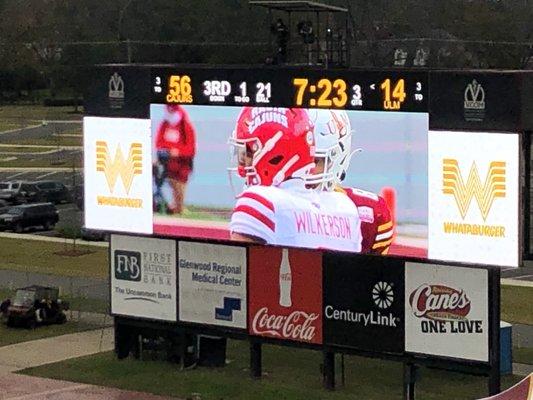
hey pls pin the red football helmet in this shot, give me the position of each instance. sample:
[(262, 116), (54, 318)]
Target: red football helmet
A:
[(273, 144)]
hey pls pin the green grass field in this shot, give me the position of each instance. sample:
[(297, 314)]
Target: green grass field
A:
[(37, 256), (26, 115), (516, 304), (48, 162), (20, 334), (46, 141), (523, 355), (288, 374), (25, 150)]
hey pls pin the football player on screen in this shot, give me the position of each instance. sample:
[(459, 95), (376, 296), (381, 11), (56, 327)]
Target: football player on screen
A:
[(333, 140), (275, 153)]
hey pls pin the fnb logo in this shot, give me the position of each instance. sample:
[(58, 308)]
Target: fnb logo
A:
[(127, 265), (116, 166), (484, 193)]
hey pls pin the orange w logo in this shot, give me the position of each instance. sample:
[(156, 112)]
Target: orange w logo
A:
[(485, 193), (126, 168)]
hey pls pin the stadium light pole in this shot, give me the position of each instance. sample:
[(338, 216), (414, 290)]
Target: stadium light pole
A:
[(119, 28)]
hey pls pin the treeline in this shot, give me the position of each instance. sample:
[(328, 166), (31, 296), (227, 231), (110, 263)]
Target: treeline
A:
[(44, 43)]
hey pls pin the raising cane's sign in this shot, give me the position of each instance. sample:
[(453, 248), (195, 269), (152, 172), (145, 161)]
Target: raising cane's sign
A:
[(285, 294), (446, 311), (439, 302)]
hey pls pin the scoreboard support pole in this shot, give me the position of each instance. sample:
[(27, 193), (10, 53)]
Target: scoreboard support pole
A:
[(409, 379), (255, 359), (329, 370), (494, 333)]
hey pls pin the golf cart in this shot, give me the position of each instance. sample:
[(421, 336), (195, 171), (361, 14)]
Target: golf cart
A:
[(34, 305)]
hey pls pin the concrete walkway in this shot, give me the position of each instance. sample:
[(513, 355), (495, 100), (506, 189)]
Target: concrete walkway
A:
[(54, 349), (20, 387)]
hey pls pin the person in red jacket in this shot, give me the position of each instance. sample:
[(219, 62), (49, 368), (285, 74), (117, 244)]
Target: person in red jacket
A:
[(175, 143)]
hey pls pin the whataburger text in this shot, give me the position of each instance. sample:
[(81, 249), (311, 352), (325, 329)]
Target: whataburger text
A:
[(119, 166), (484, 193)]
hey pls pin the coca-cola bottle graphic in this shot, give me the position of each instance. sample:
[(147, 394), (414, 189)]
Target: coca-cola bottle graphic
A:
[(285, 280)]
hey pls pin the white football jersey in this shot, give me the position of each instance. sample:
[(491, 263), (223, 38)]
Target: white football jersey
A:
[(291, 215)]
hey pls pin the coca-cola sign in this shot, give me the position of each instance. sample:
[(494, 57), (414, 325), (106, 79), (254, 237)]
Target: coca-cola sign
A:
[(439, 302), (285, 294), (298, 325)]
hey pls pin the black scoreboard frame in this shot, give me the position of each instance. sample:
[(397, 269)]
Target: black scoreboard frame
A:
[(508, 109)]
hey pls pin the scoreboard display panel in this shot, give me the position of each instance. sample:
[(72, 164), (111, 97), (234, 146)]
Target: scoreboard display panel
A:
[(329, 160), (364, 90), (342, 160)]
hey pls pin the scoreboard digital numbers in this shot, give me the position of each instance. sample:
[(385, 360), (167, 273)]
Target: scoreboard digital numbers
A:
[(351, 90)]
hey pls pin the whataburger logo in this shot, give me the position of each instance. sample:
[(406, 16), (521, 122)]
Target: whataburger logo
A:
[(483, 192), (117, 166)]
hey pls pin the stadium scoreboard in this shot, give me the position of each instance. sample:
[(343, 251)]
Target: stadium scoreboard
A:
[(349, 90)]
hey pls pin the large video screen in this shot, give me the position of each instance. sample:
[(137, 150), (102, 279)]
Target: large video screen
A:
[(327, 179)]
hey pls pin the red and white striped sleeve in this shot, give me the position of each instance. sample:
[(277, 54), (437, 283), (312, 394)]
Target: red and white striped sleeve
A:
[(254, 214)]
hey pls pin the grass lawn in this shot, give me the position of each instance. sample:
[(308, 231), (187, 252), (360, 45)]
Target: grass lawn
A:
[(20, 334), (516, 304), (289, 374), (32, 113), (523, 355), (37, 256), (25, 150), (46, 141), (48, 162), (12, 124)]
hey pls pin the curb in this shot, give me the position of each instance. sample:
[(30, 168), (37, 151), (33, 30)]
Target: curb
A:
[(516, 282), (25, 236)]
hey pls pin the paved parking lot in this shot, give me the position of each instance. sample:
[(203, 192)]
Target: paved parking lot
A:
[(64, 174)]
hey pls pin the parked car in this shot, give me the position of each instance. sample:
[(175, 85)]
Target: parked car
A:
[(35, 305), (4, 205), (18, 218), (93, 235), (17, 192), (53, 192)]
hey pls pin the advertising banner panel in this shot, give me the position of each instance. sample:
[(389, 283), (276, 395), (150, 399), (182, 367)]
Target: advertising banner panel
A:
[(285, 294), (446, 311), (250, 171), (143, 277), (212, 284), (118, 174), (363, 303), (474, 197)]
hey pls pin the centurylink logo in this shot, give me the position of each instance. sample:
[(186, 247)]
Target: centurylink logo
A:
[(463, 192), (383, 295)]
